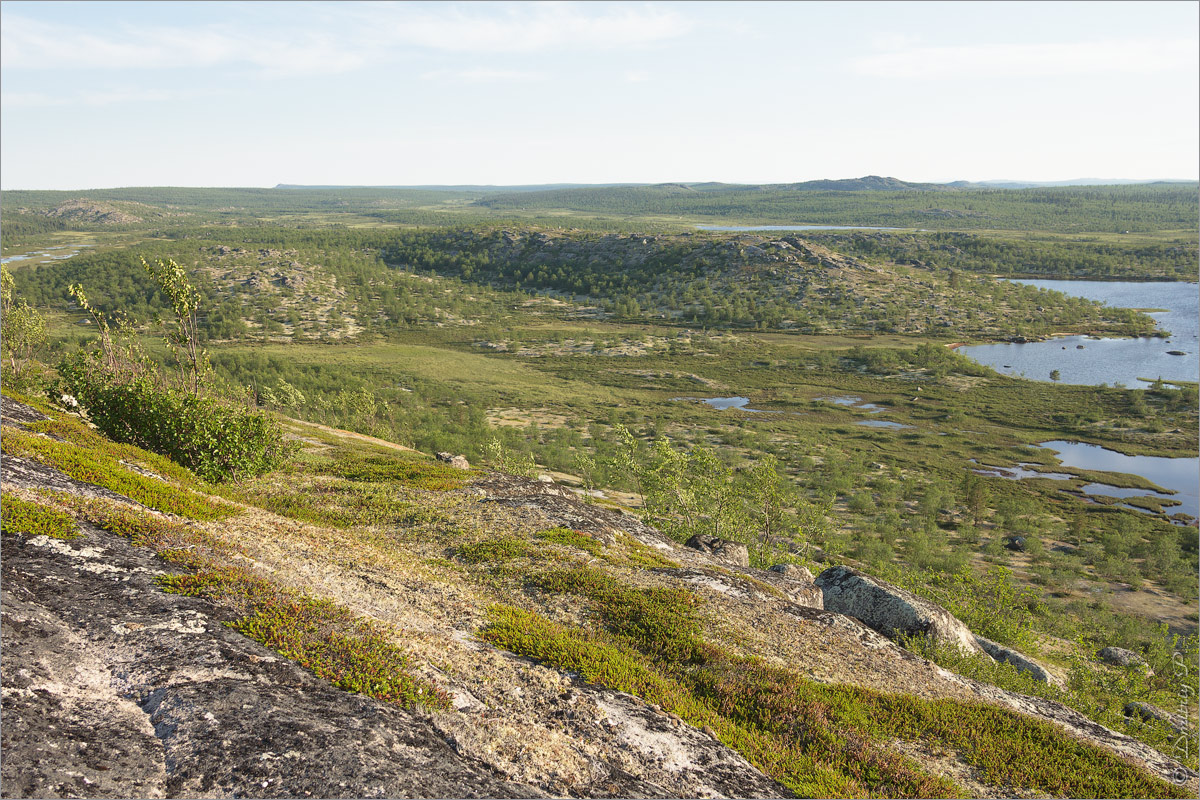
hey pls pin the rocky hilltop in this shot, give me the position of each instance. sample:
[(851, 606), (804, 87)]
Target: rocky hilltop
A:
[(164, 637)]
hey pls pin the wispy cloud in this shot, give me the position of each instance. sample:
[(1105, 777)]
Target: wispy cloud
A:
[(637, 75), (348, 37), (94, 98), (482, 75), (524, 28), (1032, 60), (34, 44)]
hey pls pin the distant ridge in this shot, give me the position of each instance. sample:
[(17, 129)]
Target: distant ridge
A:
[(867, 183)]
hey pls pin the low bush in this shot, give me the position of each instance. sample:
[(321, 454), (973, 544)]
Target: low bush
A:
[(217, 439)]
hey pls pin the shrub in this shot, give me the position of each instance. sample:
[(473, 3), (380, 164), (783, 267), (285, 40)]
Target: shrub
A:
[(217, 439)]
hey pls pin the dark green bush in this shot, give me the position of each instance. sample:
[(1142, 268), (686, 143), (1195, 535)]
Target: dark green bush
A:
[(217, 439)]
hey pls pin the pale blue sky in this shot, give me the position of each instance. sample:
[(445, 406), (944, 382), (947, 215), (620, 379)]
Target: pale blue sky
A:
[(254, 94)]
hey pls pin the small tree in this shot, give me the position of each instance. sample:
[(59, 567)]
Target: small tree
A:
[(183, 336), (22, 329)]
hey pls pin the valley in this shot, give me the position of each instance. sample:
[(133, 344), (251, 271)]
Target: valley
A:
[(598, 338)]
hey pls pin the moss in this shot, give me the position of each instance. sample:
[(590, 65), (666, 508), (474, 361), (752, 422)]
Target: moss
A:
[(493, 550), (36, 519), (335, 502), (572, 538), (657, 621), (408, 472), (319, 635), (639, 555), (100, 466)]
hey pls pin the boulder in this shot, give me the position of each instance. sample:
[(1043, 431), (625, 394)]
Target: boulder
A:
[(1016, 544), (891, 610), (458, 462), (793, 572), (1120, 657), (1147, 713), (1023, 663), (727, 552)]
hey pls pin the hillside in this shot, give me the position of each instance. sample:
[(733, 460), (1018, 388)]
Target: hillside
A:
[(500, 636)]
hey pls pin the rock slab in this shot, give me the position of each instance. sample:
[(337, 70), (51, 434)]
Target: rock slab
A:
[(891, 610)]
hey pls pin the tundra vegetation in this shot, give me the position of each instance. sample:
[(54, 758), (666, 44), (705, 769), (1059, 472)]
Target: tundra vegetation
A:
[(576, 333)]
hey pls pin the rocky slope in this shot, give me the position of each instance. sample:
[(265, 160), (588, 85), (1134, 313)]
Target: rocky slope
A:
[(114, 687)]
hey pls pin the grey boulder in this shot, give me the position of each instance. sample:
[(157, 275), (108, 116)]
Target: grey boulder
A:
[(1023, 663), (891, 610)]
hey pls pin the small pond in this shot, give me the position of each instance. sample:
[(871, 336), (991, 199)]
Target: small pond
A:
[(722, 403), (48, 255), (881, 423), (852, 401)]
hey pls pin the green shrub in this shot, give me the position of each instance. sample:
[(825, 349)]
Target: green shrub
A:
[(216, 439)]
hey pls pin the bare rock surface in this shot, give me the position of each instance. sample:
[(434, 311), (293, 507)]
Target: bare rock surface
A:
[(1148, 712), (793, 572), (113, 688), (458, 462), (890, 609), (12, 411)]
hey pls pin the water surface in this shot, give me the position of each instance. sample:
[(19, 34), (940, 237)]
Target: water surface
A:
[(1088, 361)]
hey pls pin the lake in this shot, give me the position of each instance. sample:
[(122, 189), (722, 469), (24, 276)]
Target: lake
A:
[(1177, 474), (1110, 361)]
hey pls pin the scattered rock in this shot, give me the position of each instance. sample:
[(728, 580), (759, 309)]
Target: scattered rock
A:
[(723, 550), (1023, 663), (1120, 657), (892, 610), (458, 462), (1147, 712)]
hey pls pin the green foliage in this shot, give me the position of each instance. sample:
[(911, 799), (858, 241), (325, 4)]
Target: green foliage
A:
[(503, 459), (102, 468), (821, 740), (695, 492), (36, 519), (187, 545), (22, 332), (218, 440), (571, 538)]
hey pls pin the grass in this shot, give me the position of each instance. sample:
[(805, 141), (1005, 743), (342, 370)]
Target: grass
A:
[(410, 471), (186, 545), (334, 502)]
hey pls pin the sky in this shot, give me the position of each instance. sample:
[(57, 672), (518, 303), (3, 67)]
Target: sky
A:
[(107, 94)]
